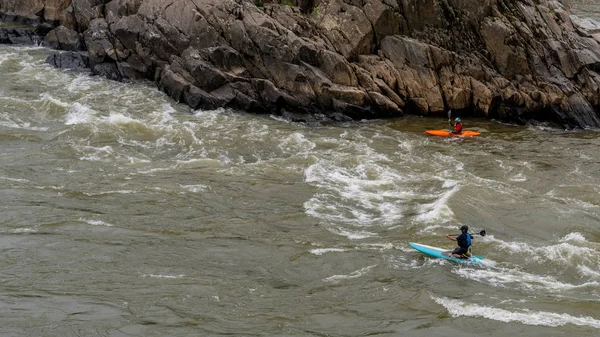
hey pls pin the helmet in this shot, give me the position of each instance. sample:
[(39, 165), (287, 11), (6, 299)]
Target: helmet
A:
[(464, 228), (457, 119)]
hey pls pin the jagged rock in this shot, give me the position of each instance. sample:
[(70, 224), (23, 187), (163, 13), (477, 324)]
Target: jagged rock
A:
[(25, 11), (87, 10), (63, 38), (337, 68), (384, 19), (43, 29), (109, 70), (206, 76), (16, 36), (346, 27), (509, 60), (53, 10), (513, 60), (197, 98), (98, 41), (67, 18), (273, 97), (173, 84), (69, 60), (384, 105)]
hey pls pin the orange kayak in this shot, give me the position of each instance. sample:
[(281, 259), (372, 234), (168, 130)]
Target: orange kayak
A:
[(445, 133)]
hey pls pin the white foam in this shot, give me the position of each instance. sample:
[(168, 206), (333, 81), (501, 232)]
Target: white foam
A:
[(99, 153), (135, 160), (154, 170), (515, 279), (297, 143), (519, 177), (458, 308), (110, 192), (575, 236), (96, 223), (209, 118), (378, 246), (164, 276), (438, 211), (46, 97), (571, 201), (79, 114), (15, 179), (120, 119), (24, 230), (351, 234), (195, 188), (19, 124), (6, 56), (353, 275), (366, 193), (81, 82), (563, 252), (195, 161), (585, 271), (400, 262), (321, 251)]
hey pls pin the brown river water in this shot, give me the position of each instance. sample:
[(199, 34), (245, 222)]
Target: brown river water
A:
[(126, 214)]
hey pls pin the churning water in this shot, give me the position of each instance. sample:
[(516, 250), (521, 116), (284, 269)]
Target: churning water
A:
[(586, 8), (126, 214)]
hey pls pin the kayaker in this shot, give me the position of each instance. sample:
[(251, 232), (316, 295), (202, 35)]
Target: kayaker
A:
[(464, 243), (457, 126)]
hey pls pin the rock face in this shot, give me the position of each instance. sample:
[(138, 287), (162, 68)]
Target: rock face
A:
[(513, 60)]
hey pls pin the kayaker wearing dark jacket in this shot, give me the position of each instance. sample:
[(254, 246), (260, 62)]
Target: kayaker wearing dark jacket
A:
[(457, 125), (464, 243)]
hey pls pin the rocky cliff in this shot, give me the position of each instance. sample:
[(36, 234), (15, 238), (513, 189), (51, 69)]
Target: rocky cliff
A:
[(513, 60)]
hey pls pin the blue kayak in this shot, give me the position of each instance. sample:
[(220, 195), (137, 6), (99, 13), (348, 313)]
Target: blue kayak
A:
[(441, 253)]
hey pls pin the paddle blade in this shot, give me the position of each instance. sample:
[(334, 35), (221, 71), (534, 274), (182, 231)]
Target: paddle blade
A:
[(449, 114), (482, 233)]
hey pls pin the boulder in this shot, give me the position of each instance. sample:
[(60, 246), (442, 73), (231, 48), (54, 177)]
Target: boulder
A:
[(98, 42), (54, 8), (16, 36), (87, 10), (63, 38), (67, 18), (68, 60)]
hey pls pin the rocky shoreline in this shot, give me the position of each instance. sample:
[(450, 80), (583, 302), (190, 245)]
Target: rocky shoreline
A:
[(512, 60)]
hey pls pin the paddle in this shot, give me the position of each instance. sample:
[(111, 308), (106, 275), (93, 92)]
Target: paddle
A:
[(449, 118), (482, 233)]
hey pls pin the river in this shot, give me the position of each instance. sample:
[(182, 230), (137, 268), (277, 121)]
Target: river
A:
[(126, 214), (586, 8)]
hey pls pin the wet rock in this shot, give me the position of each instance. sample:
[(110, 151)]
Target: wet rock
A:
[(109, 70), (197, 98), (173, 84), (17, 36), (69, 60)]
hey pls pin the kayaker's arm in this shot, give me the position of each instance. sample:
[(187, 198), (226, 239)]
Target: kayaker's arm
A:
[(449, 237)]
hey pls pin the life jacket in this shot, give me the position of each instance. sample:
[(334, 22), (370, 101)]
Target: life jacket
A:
[(464, 240), (458, 127)]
